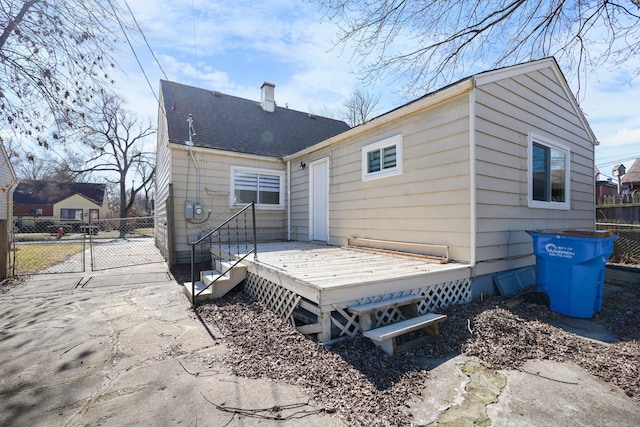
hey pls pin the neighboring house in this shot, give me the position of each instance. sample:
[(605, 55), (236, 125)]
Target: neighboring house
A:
[(472, 166), (60, 201), (7, 185), (606, 188), (631, 180)]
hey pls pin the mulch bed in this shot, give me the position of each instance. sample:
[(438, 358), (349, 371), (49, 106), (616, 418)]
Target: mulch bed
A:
[(366, 387)]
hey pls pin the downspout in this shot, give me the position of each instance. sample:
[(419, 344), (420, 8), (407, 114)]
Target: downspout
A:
[(288, 200), (472, 174)]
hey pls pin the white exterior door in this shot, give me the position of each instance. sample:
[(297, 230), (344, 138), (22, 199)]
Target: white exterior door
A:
[(319, 200)]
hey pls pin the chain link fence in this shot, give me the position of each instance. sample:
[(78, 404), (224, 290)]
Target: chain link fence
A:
[(48, 246), (626, 249), (122, 242)]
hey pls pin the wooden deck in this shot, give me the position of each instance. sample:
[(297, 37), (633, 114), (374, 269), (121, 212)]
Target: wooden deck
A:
[(324, 280), (331, 274)]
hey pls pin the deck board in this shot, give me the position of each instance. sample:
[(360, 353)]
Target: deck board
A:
[(329, 274)]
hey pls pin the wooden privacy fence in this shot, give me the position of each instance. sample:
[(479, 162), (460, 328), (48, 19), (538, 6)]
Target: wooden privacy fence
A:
[(623, 209)]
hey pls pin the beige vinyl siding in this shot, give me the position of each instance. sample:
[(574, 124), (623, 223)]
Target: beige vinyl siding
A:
[(506, 112), (76, 202), (6, 183), (428, 203), (162, 181), (215, 179), (300, 193)]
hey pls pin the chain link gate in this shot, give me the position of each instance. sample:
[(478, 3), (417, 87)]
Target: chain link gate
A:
[(47, 246), (44, 246), (122, 242)]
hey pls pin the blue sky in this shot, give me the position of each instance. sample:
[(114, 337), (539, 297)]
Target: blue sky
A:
[(234, 46)]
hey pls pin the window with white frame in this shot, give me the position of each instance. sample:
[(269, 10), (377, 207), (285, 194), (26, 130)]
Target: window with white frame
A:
[(549, 174), (382, 158), (262, 186)]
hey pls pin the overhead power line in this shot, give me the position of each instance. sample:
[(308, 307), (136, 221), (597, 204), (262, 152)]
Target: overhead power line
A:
[(617, 161), (144, 37), (126, 36)]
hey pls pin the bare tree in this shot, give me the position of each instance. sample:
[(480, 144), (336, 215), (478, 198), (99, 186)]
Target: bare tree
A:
[(147, 177), (44, 164), (54, 56), (359, 107), (431, 43), (118, 149)]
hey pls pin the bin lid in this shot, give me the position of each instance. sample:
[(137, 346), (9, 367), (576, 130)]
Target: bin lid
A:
[(592, 234)]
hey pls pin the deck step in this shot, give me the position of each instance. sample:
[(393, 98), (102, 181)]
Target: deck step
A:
[(209, 276), (385, 304), (187, 288), (407, 304), (385, 336), (217, 284)]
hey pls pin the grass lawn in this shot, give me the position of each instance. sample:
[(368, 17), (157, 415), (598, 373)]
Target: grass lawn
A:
[(34, 257)]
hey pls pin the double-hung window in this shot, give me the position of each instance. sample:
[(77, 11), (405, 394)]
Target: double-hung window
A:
[(549, 174), (263, 187), (382, 158)]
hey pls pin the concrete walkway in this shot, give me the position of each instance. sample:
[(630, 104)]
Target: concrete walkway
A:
[(121, 347)]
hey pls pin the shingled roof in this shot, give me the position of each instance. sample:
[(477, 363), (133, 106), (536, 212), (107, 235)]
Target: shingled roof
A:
[(240, 125), (35, 192), (632, 177)]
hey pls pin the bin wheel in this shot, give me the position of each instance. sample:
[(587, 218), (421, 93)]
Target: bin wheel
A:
[(537, 297)]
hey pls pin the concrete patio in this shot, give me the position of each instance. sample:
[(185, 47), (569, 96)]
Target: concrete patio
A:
[(118, 347)]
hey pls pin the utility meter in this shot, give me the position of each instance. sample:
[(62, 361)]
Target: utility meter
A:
[(188, 209), (197, 211)]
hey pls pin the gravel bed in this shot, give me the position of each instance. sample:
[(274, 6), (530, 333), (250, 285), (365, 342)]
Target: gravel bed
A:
[(353, 378), (367, 388), (505, 338)]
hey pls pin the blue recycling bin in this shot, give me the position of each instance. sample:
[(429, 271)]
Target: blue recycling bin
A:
[(570, 267)]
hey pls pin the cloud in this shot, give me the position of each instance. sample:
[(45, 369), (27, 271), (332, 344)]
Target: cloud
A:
[(238, 45), (625, 137)]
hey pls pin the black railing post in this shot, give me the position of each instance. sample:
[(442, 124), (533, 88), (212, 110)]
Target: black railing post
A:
[(193, 274), (238, 235), (255, 239), (221, 240)]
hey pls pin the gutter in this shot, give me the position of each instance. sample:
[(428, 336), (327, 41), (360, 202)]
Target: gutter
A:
[(175, 145)]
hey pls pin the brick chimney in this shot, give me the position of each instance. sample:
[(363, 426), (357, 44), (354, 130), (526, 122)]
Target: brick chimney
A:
[(268, 97)]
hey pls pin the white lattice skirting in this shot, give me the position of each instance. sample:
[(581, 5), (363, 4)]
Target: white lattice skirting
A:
[(435, 297), (283, 302), (277, 299)]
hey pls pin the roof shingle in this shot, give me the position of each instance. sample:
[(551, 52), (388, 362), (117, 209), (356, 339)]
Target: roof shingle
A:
[(240, 125), (36, 192), (632, 177)]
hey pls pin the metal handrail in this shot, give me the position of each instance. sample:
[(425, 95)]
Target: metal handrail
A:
[(253, 250)]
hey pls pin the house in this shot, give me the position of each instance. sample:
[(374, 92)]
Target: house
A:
[(39, 200), (7, 185), (214, 152), (470, 168), (631, 179), (606, 188)]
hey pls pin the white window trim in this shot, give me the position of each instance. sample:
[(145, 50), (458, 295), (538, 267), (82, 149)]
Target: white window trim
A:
[(539, 139), (387, 142), (232, 186)]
